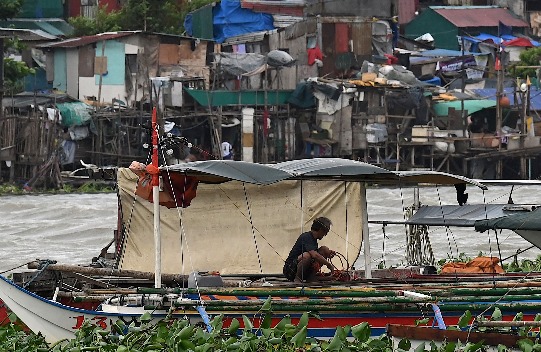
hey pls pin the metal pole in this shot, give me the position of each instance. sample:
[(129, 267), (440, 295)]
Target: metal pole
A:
[(2, 78), (365, 234)]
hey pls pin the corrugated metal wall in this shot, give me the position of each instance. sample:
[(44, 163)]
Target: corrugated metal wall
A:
[(60, 78), (42, 9), (116, 64)]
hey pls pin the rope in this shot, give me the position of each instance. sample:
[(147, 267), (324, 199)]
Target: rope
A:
[(43, 264), (17, 267), (252, 224)]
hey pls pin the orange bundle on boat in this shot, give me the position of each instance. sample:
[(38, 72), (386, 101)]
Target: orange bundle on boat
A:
[(178, 189), (486, 265)]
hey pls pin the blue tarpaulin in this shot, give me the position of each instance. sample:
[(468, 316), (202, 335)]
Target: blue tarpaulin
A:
[(535, 96), (229, 19)]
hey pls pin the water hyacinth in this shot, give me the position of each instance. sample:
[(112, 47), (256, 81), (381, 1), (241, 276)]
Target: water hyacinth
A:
[(179, 335)]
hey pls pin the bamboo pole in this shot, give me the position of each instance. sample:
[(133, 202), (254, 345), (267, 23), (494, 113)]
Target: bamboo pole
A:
[(171, 278)]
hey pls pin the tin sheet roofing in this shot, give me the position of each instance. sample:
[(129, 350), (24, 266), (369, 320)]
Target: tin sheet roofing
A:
[(81, 41), (478, 16), (26, 34)]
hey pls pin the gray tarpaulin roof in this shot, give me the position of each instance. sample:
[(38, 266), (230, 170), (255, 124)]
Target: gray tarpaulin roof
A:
[(334, 168), (465, 215), (217, 171), (436, 177), (530, 220)]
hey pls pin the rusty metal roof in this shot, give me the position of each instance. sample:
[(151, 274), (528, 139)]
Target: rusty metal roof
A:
[(478, 16), (274, 7), (81, 41)]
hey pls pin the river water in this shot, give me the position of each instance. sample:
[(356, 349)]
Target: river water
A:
[(73, 228)]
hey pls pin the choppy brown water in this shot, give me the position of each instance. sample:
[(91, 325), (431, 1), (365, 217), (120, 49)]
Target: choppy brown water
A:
[(73, 228)]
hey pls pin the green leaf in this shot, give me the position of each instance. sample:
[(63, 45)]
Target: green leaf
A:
[(275, 340), (472, 347), (12, 317), (303, 321), (217, 322), (340, 333), (496, 315), (421, 321), (234, 326), (300, 337), (335, 344), (404, 344), (267, 305), (464, 319), (525, 345), (361, 332), (146, 317), (420, 348), (247, 324), (450, 346), (186, 332), (281, 326), (266, 332), (267, 320), (519, 317)]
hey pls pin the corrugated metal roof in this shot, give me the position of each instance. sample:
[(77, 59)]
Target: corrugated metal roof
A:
[(248, 37), (281, 21), (81, 41), (478, 16), (54, 26), (288, 7), (26, 34), (26, 99)]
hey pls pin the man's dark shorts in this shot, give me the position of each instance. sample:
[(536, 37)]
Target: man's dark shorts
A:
[(290, 269)]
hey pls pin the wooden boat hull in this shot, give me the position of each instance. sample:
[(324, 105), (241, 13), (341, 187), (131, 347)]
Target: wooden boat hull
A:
[(57, 321), (422, 334)]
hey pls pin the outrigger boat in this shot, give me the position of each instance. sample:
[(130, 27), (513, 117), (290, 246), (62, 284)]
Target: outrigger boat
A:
[(223, 233)]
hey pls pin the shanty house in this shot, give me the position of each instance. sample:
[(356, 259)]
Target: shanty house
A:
[(116, 66), (446, 23)]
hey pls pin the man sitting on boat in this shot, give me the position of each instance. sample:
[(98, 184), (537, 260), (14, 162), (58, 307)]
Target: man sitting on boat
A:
[(305, 258)]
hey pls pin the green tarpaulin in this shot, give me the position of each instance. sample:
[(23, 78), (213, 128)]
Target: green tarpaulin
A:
[(241, 97), (442, 108), (74, 114)]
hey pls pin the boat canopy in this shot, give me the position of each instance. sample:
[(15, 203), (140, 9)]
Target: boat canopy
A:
[(466, 215), (530, 220), (246, 217), (335, 168), (436, 178), (218, 171)]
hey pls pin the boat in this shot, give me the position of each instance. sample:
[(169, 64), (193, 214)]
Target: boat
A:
[(489, 340), (223, 232)]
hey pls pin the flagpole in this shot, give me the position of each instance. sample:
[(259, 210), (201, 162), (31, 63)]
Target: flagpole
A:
[(156, 201)]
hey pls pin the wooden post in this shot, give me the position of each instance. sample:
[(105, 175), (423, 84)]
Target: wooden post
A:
[(101, 73)]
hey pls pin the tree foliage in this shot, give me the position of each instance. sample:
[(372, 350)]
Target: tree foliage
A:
[(103, 22), (529, 57), (10, 8), (14, 71), (148, 15)]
